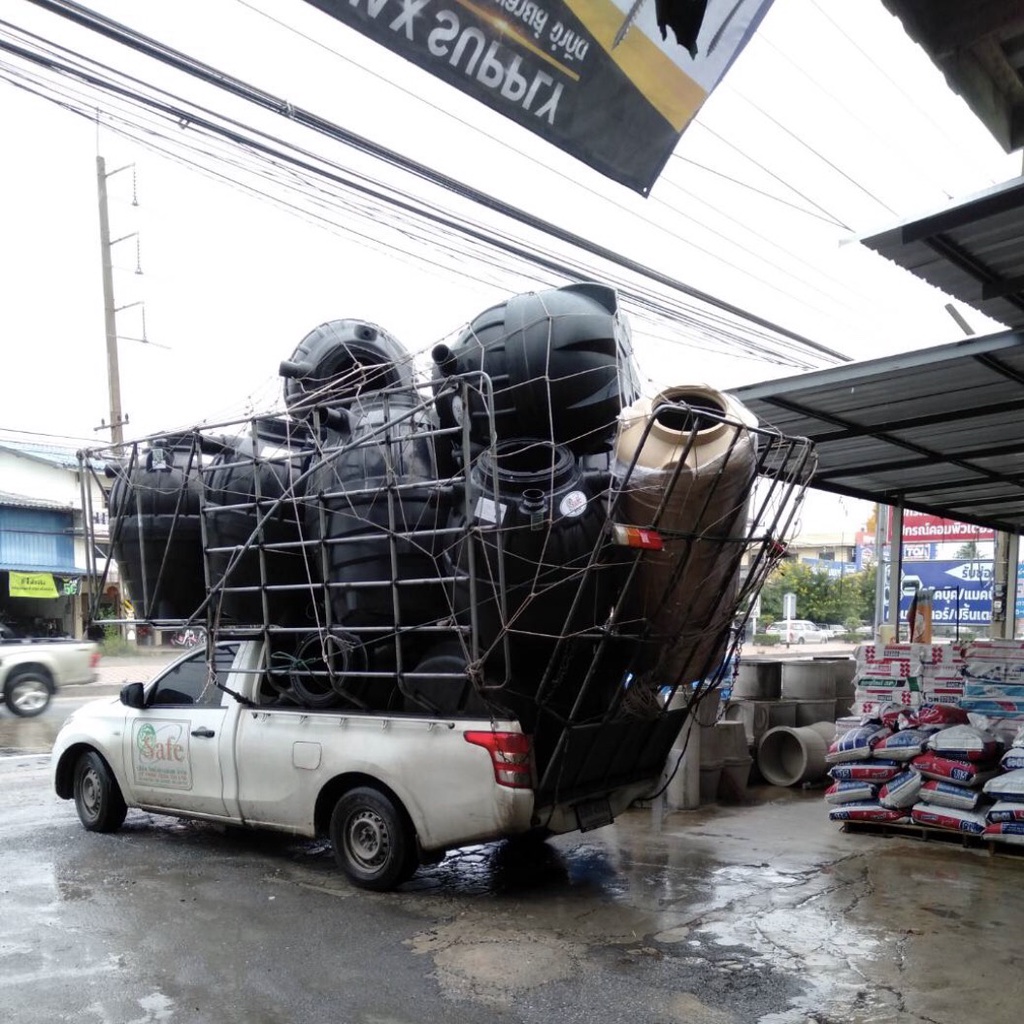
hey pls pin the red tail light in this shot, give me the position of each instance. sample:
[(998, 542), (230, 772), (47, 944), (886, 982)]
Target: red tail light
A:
[(94, 659), (510, 755)]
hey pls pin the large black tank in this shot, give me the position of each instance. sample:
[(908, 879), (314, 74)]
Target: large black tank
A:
[(561, 365), (440, 683), (537, 526), (340, 361), (375, 501), (244, 489), (155, 525)]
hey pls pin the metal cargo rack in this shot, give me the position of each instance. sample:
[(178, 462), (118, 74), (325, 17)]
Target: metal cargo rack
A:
[(592, 725)]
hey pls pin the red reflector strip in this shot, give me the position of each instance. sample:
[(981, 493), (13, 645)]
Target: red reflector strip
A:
[(635, 537)]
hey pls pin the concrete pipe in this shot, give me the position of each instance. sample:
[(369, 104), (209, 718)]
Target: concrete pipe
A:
[(808, 680), (790, 756)]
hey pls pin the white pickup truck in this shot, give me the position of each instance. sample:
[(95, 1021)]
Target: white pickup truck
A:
[(391, 790), (31, 670)]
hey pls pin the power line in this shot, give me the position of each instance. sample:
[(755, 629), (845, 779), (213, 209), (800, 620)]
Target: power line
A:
[(721, 332), (203, 72)]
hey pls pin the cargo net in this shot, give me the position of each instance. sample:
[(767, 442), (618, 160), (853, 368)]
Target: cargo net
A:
[(517, 536)]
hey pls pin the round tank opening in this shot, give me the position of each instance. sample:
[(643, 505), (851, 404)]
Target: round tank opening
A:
[(530, 458), (701, 412)]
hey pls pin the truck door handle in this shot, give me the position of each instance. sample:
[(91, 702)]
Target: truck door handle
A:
[(203, 731)]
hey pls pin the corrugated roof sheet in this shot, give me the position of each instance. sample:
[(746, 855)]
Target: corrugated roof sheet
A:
[(26, 501), (939, 430), (62, 456), (973, 250)]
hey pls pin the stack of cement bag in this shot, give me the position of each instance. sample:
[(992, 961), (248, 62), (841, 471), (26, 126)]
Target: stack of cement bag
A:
[(932, 766)]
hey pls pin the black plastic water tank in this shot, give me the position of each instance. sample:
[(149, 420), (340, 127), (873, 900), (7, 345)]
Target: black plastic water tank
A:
[(536, 528), (375, 502), (560, 362), (155, 523), (440, 683), (341, 360), (244, 492)]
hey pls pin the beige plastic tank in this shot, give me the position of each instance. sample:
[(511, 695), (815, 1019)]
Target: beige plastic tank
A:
[(687, 591)]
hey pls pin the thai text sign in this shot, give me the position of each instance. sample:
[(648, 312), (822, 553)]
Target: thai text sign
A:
[(919, 527), (31, 584), (963, 590), (611, 92)]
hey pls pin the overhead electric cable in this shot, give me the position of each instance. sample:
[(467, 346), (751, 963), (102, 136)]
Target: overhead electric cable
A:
[(173, 58), (195, 124)]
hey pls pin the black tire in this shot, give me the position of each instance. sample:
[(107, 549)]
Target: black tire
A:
[(373, 840), (28, 692), (98, 799)]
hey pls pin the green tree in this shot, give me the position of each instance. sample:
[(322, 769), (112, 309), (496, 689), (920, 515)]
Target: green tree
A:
[(849, 599)]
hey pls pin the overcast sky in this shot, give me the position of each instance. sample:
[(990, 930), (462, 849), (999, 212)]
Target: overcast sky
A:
[(831, 125)]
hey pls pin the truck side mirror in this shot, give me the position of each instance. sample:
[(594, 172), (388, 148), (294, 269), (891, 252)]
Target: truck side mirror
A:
[(133, 696)]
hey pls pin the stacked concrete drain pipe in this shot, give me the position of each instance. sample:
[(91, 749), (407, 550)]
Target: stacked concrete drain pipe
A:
[(789, 710)]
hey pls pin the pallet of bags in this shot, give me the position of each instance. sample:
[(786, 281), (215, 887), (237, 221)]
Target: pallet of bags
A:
[(868, 701), (994, 678), (1005, 817), (948, 818), (857, 776), (931, 765), (958, 764), (995, 660), (870, 810)]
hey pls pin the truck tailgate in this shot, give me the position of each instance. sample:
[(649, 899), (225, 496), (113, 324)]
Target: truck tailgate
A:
[(582, 760)]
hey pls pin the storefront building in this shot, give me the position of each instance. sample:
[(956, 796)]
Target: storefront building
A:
[(45, 585)]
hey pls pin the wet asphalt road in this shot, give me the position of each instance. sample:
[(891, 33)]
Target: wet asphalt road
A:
[(761, 913)]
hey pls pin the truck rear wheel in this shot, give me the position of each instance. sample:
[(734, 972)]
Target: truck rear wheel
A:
[(98, 799), (28, 692), (373, 840)]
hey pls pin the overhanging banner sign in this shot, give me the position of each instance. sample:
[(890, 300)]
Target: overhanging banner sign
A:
[(579, 73), (31, 584)]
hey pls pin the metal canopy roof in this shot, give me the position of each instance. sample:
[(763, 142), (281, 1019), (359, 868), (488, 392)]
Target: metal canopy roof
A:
[(973, 251), (938, 430), (979, 46)]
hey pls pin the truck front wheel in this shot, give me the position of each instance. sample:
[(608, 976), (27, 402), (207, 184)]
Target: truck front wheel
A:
[(373, 840), (98, 798), (28, 692)]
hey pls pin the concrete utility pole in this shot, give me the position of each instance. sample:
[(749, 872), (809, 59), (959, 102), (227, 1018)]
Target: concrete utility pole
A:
[(109, 312)]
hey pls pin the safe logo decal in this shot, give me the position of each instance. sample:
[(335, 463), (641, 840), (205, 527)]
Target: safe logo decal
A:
[(160, 755)]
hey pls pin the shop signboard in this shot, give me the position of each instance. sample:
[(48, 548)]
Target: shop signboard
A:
[(919, 527), (612, 82), (31, 584), (913, 552), (962, 590), (835, 570)]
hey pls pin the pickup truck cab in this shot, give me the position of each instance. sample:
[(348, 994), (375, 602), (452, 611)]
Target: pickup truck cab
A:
[(31, 670), (390, 789)]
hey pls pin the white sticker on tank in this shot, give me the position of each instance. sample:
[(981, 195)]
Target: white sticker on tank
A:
[(489, 512), (573, 504)]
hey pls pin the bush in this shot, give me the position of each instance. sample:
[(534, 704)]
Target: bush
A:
[(113, 643), (767, 639)]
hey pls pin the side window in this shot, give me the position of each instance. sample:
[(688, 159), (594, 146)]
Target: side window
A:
[(189, 683)]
